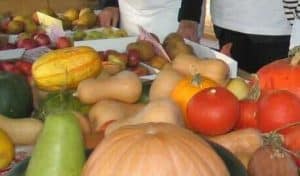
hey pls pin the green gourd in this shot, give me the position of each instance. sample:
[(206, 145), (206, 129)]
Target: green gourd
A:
[(59, 149)]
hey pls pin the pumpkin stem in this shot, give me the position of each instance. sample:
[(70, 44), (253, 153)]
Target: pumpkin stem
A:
[(196, 80), (294, 55), (286, 126), (275, 139), (255, 90)]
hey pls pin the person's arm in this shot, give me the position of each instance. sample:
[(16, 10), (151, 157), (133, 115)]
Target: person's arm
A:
[(109, 15), (189, 17)]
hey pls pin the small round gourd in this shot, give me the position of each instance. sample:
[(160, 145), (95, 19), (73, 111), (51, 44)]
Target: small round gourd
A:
[(154, 149)]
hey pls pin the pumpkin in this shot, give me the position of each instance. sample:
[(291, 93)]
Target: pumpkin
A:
[(16, 99), (188, 87), (154, 149), (65, 68), (270, 161), (281, 74)]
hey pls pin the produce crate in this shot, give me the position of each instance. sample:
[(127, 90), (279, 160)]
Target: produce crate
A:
[(120, 44)]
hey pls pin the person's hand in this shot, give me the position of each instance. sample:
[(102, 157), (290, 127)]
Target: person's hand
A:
[(109, 16), (226, 49), (189, 30)]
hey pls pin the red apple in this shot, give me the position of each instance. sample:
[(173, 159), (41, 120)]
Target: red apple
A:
[(27, 43), (139, 70), (63, 42), (134, 58), (42, 39)]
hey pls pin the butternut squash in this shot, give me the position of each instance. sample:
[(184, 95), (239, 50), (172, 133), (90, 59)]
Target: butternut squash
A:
[(160, 110), (125, 86), (243, 143), (23, 131), (106, 111), (213, 68), (164, 83)]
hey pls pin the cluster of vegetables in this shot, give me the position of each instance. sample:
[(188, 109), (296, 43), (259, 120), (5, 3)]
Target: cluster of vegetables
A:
[(189, 115)]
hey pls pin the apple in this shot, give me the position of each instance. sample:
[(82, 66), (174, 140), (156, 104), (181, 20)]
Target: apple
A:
[(63, 42), (134, 58), (27, 43), (139, 70), (238, 87), (42, 39)]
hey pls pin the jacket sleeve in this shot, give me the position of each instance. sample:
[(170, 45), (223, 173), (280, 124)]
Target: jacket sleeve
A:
[(110, 3), (190, 10)]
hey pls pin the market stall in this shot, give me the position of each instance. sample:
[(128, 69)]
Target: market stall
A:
[(91, 101)]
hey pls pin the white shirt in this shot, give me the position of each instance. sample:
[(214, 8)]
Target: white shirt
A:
[(261, 17)]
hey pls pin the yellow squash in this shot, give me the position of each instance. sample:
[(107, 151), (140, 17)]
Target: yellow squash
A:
[(65, 68)]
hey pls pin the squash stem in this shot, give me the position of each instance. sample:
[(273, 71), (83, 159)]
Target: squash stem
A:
[(196, 80)]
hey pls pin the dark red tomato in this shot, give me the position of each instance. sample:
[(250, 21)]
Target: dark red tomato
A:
[(277, 109), (24, 67), (248, 111), (213, 111)]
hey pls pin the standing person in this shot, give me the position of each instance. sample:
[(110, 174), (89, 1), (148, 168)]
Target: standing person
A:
[(257, 32), (157, 16)]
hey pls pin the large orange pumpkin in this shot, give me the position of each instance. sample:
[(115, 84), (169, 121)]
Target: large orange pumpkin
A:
[(154, 149), (281, 74), (188, 87)]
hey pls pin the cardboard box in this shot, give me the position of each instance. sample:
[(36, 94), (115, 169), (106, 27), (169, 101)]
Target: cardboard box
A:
[(120, 44)]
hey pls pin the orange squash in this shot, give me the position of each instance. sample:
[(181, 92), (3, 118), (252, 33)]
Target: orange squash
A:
[(65, 68), (281, 74), (154, 149), (188, 87)]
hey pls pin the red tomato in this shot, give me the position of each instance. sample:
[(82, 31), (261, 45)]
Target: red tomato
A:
[(277, 109), (213, 111), (292, 140), (248, 111), (24, 67)]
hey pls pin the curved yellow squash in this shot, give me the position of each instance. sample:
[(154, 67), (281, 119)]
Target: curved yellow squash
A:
[(65, 68)]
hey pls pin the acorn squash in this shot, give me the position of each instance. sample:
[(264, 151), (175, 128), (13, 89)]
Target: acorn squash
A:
[(16, 99)]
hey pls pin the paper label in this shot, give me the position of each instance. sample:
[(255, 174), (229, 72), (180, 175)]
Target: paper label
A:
[(53, 26), (295, 35), (35, 53)]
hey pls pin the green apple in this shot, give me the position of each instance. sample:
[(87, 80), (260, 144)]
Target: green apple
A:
[(238, 87)]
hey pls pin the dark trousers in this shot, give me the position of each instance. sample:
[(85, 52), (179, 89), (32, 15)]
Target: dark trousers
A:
[(253, 51)]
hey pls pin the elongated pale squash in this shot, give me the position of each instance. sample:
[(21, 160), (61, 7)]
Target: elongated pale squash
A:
[(65, 68)]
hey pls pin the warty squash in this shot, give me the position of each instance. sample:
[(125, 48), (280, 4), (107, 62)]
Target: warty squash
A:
[(65, 68), (154, 149), (282, 74)]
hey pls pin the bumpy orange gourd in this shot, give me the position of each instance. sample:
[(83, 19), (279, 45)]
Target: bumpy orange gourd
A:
[(154, 149), (282, 74), (65, 68), (188, 87)]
